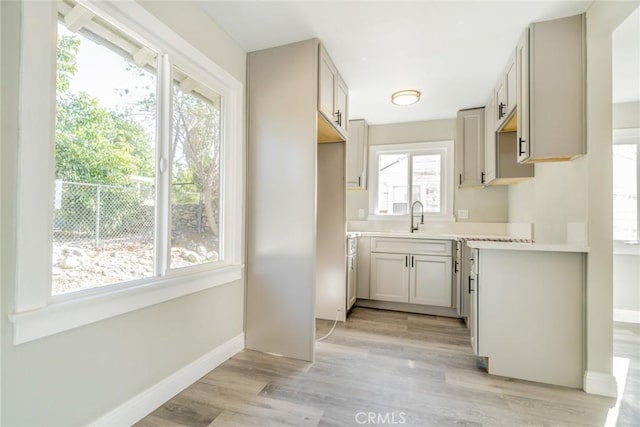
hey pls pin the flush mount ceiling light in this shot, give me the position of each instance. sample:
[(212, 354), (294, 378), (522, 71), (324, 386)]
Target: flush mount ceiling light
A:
[(405, 97)]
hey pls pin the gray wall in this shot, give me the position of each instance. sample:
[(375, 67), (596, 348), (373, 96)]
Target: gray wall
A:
[(488, 204), (281, 199), (74, 377)]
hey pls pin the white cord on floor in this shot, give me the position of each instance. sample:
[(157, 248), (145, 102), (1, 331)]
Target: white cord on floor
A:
[(332, 329)]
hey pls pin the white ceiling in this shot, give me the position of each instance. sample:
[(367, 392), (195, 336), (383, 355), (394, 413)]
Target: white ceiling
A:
[(453, 52)]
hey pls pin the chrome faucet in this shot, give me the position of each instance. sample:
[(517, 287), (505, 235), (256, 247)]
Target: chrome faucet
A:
[(421, 215)]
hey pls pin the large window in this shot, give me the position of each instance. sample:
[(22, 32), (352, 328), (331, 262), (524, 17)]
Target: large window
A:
[(105, 145), (626, 205), (106, 142), (130, 166), (402, 174)]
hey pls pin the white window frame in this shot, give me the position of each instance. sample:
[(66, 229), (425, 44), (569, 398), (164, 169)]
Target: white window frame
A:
[(37, 314), (445, 148), (629, 136)]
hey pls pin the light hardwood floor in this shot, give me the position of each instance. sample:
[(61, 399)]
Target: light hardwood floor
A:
[(405, 369)]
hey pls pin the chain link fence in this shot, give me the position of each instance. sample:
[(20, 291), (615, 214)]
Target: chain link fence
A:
[(96, 212)]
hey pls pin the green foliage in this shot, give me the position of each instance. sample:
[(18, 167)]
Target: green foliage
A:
[(98, 146), (94, 144), (68, 47)]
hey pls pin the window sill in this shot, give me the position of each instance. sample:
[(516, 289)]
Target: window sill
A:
[(405, 218), (622, 248), (72, 313)]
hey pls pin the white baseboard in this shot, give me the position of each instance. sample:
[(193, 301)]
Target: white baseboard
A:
[(600, 383), (144, 403), (627, 316)]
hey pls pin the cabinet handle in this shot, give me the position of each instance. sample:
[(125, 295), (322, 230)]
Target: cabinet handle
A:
[(470, 279), (406, 261), (482, 177), (501, 110), (411, 261), (460, 180), (339, 118), (456, 270), (520, 150), (359, 185)]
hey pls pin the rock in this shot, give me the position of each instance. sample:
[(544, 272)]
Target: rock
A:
[(56, 271), (202, 251), (78, 252), (70, 262), (191, 257), (212, 256)]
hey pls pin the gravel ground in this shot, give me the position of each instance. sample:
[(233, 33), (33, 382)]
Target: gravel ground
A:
[(81, 265)]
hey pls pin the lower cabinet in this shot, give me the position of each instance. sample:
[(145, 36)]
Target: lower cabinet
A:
[(389, 277), (416, 279), (527, 313), (352, 268), (430, 280)]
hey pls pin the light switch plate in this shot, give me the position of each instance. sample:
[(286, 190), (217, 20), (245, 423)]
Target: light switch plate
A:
[(360, 213), (463, 214)]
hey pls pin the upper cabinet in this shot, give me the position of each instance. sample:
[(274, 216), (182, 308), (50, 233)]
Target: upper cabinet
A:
[(500, 149), (505, 92), (551, 94), (357, 148), (333, 98), (490, 124), (470, 147), (522, 97)]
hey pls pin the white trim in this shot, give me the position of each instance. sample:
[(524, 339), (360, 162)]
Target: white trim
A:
[(72, 313), (600, 383), (626, 136), (626, 316), (36, 314), (443, 147), (146, 402), (35, 153), (630, 136), (626, 248)]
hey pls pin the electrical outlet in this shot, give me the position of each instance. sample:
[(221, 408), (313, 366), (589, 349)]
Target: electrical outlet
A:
[(463, 214), (360, 213)]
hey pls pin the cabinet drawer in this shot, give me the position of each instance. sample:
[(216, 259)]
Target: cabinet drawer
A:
[(411, 246)]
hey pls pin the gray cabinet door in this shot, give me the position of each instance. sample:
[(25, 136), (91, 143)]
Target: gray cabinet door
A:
[(430, 280), (351, 280), (357, 154), (522, 95), (490, 141), (470, 147), (389, 277), (326, 95), (341, 106), (557, 94)]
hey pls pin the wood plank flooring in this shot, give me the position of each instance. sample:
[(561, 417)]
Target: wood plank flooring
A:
[(404, 369)]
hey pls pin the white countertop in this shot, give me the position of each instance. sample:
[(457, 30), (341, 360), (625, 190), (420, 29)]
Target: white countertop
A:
[(427, 235), (441, 230), (400, 234), (546, 247)]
